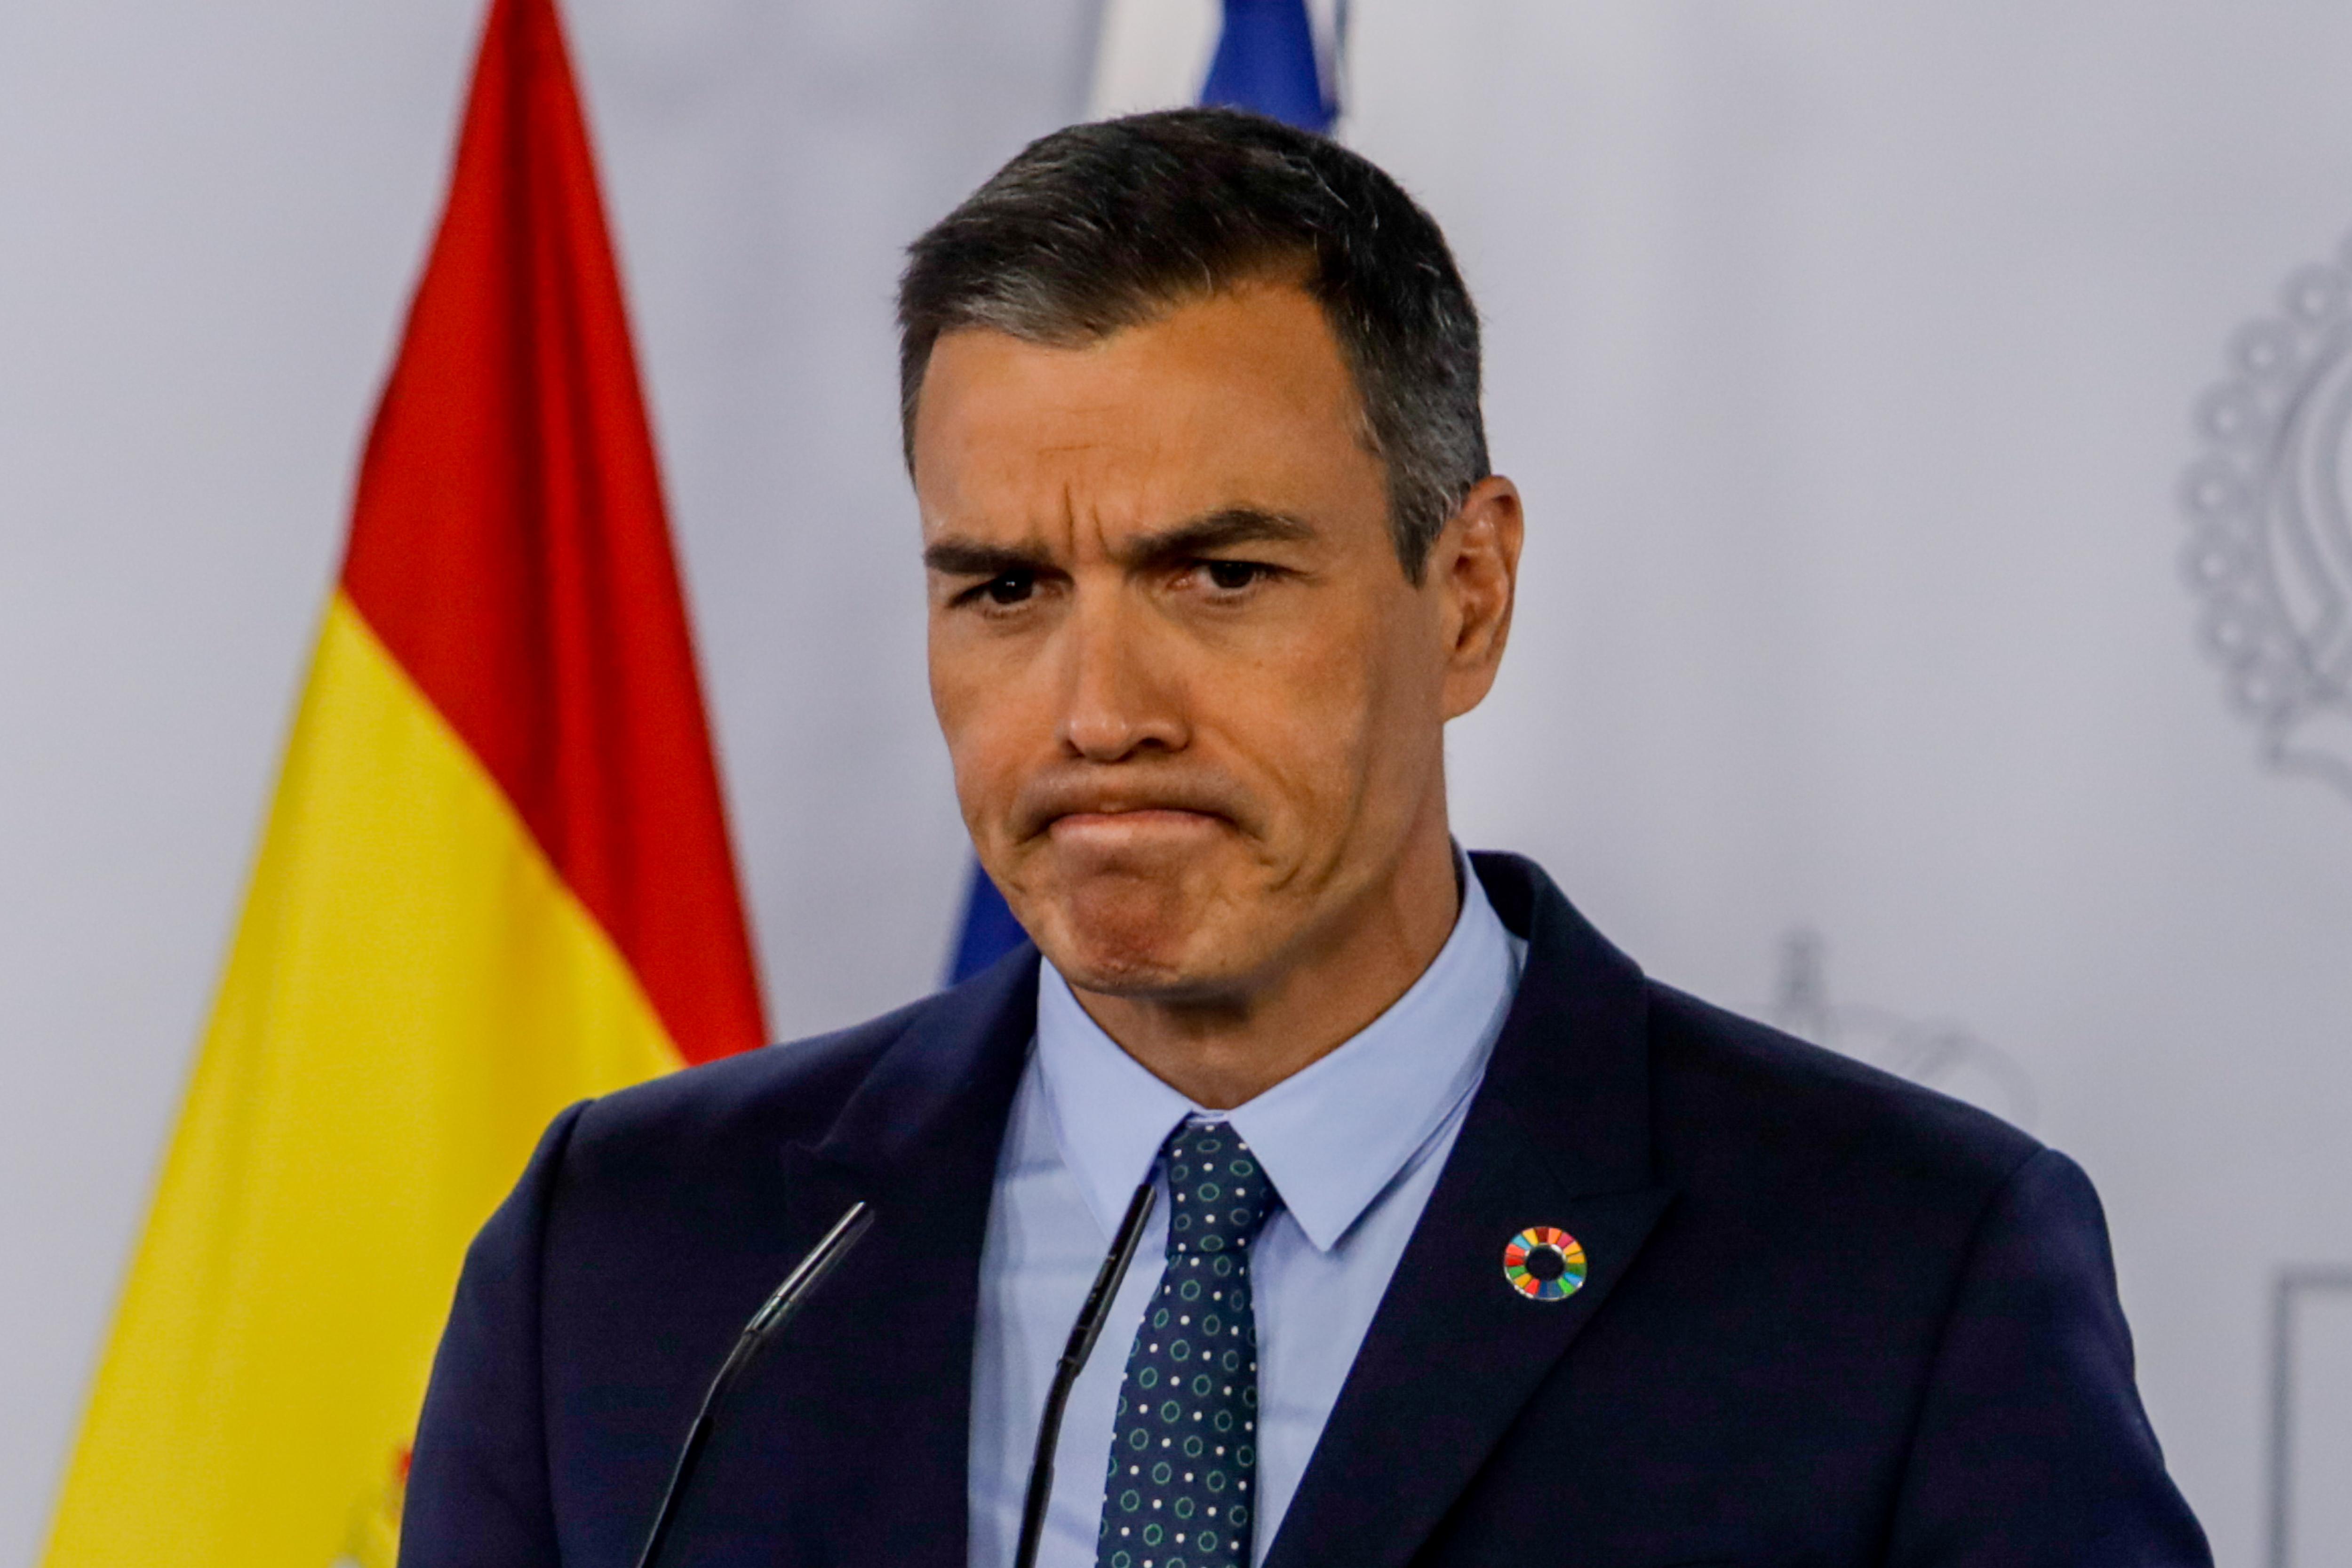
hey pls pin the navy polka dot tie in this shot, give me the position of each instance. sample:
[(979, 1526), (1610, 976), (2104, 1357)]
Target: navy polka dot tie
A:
[(1184, 1455)]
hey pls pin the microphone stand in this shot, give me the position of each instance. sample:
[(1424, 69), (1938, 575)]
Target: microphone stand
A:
[(778, 1311), (1083, 1334)]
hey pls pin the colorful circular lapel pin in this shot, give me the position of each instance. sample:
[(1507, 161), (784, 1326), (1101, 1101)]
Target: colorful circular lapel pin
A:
[(1544, 1264)]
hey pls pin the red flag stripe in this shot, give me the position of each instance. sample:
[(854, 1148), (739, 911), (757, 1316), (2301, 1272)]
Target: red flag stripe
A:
[(509, 546)]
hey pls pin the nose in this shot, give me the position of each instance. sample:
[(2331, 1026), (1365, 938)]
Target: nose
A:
[(1119, 695)]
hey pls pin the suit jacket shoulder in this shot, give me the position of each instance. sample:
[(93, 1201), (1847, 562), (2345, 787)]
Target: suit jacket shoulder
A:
[(686, 1125), (1826, 1316), (600, 1298), (1740, 1106)]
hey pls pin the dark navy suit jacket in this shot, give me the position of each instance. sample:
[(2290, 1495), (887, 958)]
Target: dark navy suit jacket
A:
[(1832, 1318)]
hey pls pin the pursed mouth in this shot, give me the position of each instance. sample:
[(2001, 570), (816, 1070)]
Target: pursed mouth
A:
[(1131, 826), (1132, 808), (1133, 817)]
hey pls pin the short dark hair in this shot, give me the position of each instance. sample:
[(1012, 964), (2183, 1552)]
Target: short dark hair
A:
[(1110, 224)]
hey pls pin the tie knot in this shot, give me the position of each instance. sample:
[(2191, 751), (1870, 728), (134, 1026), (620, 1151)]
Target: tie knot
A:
[(1220, 1194)]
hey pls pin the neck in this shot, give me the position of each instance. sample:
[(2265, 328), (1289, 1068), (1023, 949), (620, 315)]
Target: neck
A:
[(1223, 1053)]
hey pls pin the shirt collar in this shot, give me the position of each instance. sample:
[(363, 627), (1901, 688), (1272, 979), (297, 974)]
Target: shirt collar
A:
[(1331, 1136)]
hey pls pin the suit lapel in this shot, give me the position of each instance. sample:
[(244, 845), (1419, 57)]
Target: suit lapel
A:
[(868, 1399), (1558, 1135)]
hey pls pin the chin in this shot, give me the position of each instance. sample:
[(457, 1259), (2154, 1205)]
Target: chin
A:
[(1133, 947)]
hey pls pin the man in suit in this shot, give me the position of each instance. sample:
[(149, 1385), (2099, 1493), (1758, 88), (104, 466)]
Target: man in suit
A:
[(1473, 1245)]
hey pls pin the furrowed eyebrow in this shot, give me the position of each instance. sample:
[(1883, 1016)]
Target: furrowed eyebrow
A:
[(969, 558), (1224, 529)]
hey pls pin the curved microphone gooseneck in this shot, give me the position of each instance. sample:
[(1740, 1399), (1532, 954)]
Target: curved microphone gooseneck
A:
[(1083, 1334), (778, 1311)]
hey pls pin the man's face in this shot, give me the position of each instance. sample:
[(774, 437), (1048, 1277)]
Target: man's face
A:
[(1194, 705)]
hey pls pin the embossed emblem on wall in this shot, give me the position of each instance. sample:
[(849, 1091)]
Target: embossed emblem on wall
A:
[(2269, 506), (1936, 1052)]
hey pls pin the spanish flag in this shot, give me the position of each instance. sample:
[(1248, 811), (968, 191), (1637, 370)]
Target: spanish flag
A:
[(495, 880)]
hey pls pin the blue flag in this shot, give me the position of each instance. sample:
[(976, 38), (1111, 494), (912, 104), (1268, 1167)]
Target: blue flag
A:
[(988, 931), (1266, 62)]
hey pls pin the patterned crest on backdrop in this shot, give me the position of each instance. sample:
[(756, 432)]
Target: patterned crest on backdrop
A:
[(2270, 513), (1941, 1053)]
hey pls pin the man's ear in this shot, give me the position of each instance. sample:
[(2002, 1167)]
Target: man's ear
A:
[(1474, 564)]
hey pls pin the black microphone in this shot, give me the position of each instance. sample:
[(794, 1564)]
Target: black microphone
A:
[(778, 1311), (1083, 1334)]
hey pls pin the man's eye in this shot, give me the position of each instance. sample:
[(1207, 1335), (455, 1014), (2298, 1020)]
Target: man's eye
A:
[(1231, 576), (1011, 588)]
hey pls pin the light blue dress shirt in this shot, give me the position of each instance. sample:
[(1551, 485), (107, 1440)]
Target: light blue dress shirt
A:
[(1354, 1144)]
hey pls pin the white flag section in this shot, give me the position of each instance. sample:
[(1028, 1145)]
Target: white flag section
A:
[(1154, 54), (1937, 557)]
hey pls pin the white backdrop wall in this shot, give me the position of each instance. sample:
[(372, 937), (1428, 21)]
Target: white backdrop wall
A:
[(1846, 352)]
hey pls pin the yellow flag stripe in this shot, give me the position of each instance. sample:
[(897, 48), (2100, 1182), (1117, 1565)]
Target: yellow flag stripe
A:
[(413, 993)]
